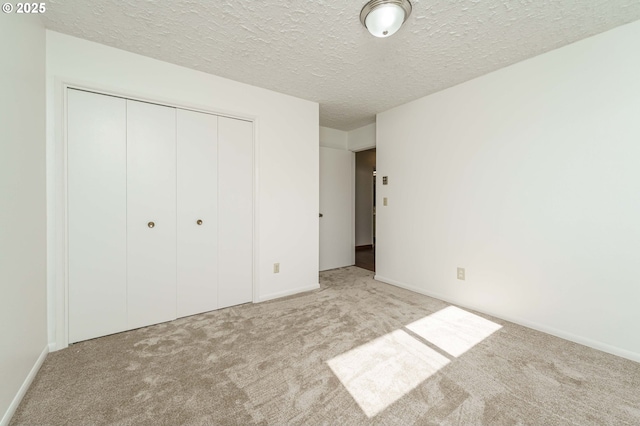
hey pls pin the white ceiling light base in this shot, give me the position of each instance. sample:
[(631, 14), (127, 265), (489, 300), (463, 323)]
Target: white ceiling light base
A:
[(384, 17)]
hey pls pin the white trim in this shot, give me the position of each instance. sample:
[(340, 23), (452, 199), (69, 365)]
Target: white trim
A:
[(280, 294), (60, 316), (23, 389), (256, 212), (52, 347), (144, 97), (633, 356), (353, 208)]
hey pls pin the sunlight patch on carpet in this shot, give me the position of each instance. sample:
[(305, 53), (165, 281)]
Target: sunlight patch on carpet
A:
[(382, 371), (454, 330)]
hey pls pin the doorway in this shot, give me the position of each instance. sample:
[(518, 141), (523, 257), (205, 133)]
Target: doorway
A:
[(365, 211)]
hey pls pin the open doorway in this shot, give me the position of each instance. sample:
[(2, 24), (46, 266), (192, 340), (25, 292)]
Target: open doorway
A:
[(365, 221)]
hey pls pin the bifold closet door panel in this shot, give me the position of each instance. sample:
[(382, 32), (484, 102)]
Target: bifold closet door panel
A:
[(97, 214), (235, 214), (197, 144), (151, 214)]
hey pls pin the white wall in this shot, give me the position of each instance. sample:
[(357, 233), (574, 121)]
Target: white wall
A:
[(362, 138), (365, 165), (528, 177), (23, 213), (287, 151), (333, 138), (354, 140)]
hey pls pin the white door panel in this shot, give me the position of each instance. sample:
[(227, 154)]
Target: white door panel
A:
[(235, 215), (197, 135), (151, 198), (96, 155), (190, 176), (336, 205)]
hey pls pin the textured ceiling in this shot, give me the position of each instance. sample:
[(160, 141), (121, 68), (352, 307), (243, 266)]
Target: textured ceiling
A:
[(318, 50)]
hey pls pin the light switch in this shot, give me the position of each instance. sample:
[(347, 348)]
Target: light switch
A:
[(461, 273), (385, 180)]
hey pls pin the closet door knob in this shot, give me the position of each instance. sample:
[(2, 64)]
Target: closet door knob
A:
[(151, 224), (199, 222)]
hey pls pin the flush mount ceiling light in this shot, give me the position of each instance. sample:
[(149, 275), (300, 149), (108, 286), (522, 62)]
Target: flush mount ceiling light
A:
[(384, 17)]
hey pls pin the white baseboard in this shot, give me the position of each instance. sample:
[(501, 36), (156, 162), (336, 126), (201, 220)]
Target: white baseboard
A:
[(604, 347), (53, 347), (23, 389), (288, 292)]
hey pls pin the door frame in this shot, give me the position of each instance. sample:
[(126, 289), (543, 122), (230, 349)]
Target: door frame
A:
[(57, 196)]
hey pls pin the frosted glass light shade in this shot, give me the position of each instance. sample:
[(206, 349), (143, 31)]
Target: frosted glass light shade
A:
[(384, 17), (385, 20)]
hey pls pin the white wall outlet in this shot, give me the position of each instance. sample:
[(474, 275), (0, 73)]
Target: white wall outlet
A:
[(461, 273), (384, 201), (276, 268)]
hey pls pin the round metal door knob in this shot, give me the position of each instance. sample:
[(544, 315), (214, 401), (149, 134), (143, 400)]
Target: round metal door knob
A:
[(199, 222), (151, 224)]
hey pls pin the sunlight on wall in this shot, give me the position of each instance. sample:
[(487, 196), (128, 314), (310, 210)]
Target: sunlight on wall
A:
[(380, 372), (383, 370), (454, 330)]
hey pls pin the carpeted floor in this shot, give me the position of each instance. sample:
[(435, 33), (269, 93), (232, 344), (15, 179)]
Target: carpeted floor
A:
[(354, 352)]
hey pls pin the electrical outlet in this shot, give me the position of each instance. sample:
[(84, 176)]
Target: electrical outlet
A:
[(461, 274), (384, 201), (276, 268)]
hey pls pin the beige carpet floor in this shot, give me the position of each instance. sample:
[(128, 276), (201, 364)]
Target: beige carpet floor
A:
[(354, 352)]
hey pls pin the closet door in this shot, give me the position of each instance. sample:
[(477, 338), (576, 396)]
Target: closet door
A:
[(197, 138), (151, 213), (97, 195), (235, 214)]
